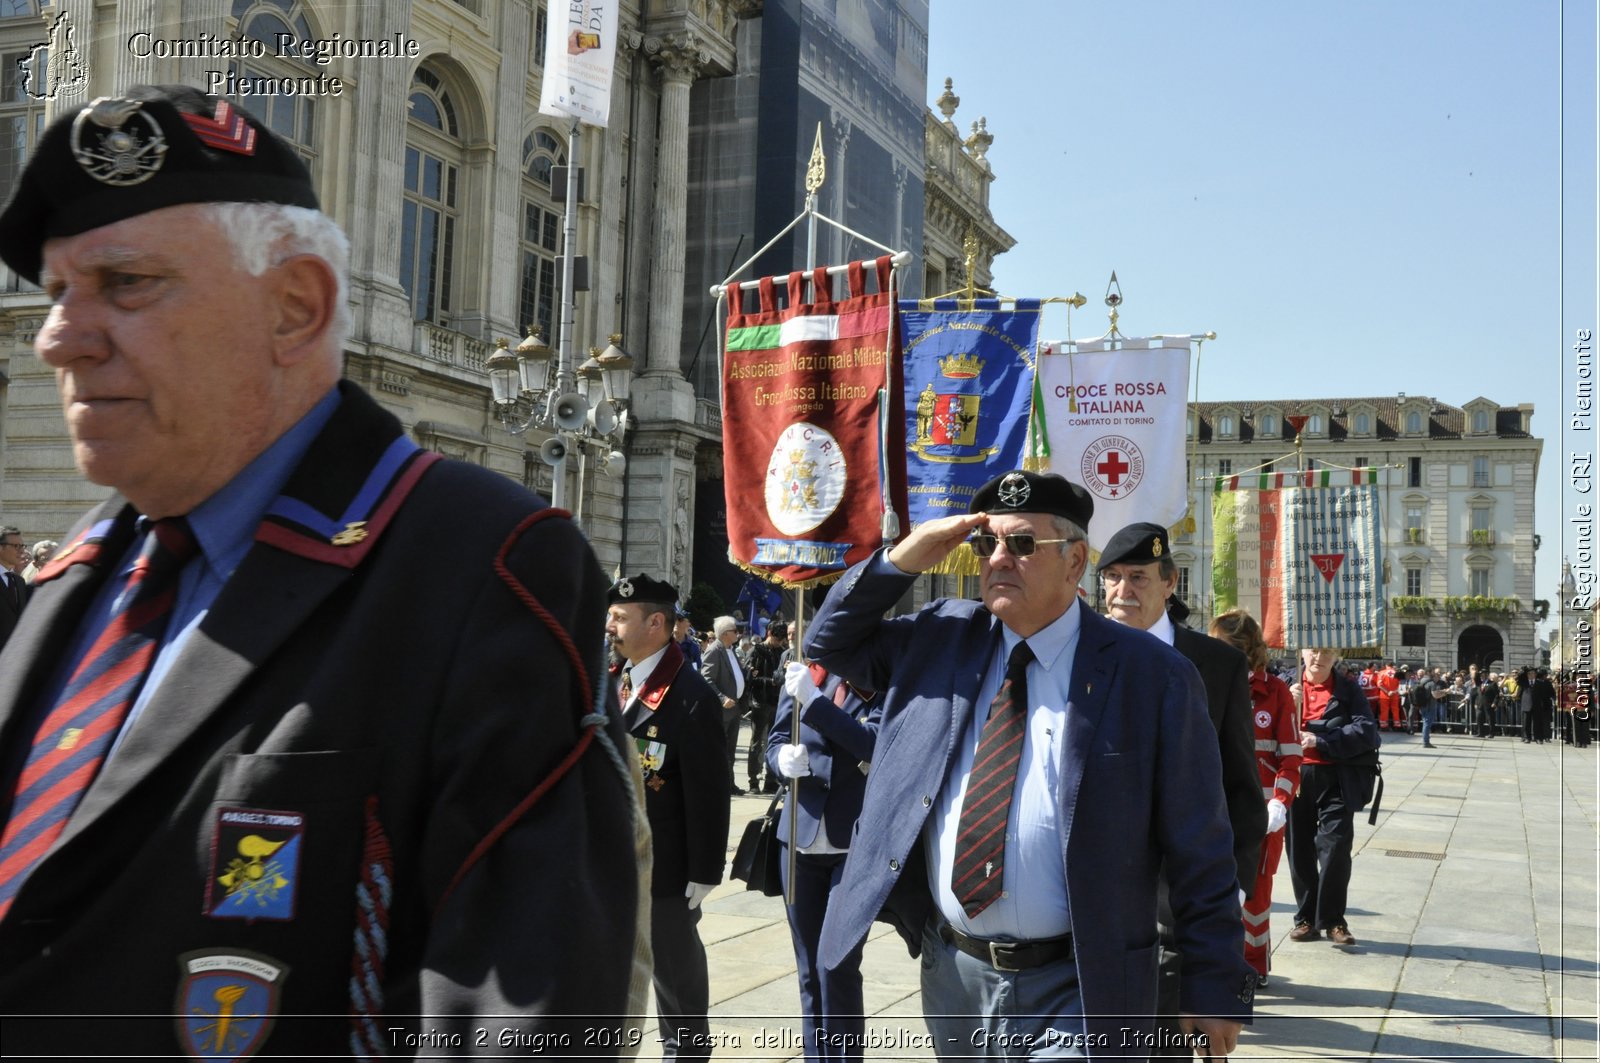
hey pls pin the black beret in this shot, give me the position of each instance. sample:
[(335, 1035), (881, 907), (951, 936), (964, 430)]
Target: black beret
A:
[(1035, 492), (1137, 544), (642, 590), (155, 146)]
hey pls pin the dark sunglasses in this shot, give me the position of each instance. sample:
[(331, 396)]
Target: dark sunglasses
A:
[(1018, 544)]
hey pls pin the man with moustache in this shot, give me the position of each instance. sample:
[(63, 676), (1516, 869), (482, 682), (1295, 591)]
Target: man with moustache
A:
[(674, 717), (1036, 767), (1139, 577)]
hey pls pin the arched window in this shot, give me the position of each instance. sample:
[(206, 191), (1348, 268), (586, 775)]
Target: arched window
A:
[(1363, 424), (291, 115), (1225, 425), (1413, 422), (540, 288), (1269, 425), (1314, 424), (1480, 421), (429, 211)]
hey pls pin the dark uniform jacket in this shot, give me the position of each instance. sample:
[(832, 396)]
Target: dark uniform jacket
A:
[(676, 723), (364, 791), (838, 741)]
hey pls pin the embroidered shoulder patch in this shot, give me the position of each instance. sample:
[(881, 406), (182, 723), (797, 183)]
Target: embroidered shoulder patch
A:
[(227, 1002), (255, 864)]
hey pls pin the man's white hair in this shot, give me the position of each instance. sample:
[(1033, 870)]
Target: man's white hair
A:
[(265, 234), (722, 625)]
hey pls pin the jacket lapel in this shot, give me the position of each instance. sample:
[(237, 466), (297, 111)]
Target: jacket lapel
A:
[(981, 641), (336, 505), (1092, 675)]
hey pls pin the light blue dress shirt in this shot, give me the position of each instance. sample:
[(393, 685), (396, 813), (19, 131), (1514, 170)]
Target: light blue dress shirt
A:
[(224, 526), (1033, 904)]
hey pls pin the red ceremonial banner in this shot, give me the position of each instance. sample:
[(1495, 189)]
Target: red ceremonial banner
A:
[(802, 389)]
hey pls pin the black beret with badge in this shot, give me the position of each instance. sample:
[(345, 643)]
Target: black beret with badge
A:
[(1020, 491), (642, 590), (1137, 544), (153, 146)]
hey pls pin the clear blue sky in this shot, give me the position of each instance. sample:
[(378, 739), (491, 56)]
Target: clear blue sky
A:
[(1360, 198)]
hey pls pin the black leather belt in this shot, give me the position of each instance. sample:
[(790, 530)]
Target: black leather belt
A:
[(1008, 955)]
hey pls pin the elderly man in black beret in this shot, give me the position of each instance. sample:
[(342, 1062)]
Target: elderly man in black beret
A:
[(1140, 578), (1036, 767), (304, 797), (675, 717)]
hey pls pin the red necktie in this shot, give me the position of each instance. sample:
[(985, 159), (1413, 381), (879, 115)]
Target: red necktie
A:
[(75, 737), (979, 869)]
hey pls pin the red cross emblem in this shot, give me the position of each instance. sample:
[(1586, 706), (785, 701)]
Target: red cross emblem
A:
[(1112, 468)]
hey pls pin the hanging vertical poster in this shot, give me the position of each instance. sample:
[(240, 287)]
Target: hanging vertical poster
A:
[(805, 388), (1302, 552), (579, 54), (1114, 421), (969, 384)]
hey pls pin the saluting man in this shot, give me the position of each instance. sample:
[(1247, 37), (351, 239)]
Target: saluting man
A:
[(676, 721)]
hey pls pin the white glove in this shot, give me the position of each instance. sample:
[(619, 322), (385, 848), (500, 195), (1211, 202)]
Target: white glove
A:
[(1277, 816), (793, 761), (697, 892), (798, 682)]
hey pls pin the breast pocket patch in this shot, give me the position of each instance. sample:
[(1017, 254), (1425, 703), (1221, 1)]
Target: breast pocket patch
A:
[(255, 864)]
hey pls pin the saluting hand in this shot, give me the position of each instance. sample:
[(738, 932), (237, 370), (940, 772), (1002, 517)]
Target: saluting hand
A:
[(931, 542)]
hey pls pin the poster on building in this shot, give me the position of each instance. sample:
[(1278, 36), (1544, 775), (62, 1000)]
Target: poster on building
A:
[(805, 388), (969, 383), (1303, 553), (579, 52), (1113, 420)]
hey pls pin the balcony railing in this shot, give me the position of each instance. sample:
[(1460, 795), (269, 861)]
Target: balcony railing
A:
[(1415, 536), (1481, 536), (449, 347)]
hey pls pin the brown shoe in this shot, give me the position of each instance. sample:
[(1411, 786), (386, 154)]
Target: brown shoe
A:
[(1303, 932), (1340, 935)]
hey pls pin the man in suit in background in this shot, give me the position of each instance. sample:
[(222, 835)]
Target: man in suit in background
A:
[(1139, 577), (677, 723), (1036, 767), (14, 594), (721, 668)]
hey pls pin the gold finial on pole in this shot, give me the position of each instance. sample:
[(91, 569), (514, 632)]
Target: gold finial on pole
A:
[(817, 168), (1113, 300)]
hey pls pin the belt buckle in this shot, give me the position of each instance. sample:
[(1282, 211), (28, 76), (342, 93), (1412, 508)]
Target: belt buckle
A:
[(999, 959)]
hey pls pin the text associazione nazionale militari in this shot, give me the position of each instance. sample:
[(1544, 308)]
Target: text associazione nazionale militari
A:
[(319, 51)]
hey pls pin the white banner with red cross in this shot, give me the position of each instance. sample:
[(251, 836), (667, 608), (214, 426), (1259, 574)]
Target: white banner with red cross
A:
[(1113, 420)]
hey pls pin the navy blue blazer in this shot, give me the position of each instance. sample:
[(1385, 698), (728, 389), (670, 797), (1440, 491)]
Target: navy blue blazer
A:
[(838, 741), (1141, 782)]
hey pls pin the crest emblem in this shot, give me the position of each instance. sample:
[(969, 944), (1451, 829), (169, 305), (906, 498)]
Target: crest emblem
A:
[(950, 421), (255, 864), (227, 1002), (117, 142), (1014, 491), (806, 478), (625, 587), (1112, 467), (1263, 719), (1155, 548)]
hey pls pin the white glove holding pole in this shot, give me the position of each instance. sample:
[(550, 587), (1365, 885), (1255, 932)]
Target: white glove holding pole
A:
[(1277, 816), (697, 892), (793, 761), (798, 682)]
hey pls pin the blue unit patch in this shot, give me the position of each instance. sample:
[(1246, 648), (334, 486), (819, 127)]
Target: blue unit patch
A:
[(255, 864), (227, 1002)]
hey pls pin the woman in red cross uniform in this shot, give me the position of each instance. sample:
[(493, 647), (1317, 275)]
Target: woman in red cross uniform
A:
[(1278, 761)]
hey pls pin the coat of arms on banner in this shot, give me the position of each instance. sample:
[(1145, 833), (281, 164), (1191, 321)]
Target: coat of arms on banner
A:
[(227, 1002), (806, 477), (949, 419)]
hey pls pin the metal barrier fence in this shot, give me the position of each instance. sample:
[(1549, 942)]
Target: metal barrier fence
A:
[(1452, 715)]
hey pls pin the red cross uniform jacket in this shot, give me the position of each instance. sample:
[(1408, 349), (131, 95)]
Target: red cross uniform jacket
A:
[(358, 796)]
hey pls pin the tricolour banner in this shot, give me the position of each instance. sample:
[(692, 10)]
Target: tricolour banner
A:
[(804, 390), (580, 50), (1302, 552), (1113, 421), (969, 382)]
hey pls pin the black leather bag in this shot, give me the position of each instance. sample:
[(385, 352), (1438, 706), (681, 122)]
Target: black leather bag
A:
[(756, 861)]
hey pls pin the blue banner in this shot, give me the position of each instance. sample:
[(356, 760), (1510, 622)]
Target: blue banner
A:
[(969, 381)]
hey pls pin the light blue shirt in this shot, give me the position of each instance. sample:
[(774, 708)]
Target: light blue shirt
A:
[(224, 527), (1033, 904)]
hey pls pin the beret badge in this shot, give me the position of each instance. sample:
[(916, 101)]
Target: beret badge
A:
[(1014, 490), (117, 143), (625, 587)]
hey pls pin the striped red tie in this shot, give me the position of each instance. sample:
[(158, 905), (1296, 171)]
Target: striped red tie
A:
[(74, 738), (979, 869)]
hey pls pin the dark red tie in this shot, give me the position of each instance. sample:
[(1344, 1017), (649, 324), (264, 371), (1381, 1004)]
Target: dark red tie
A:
[(75, 737), (979, 870)]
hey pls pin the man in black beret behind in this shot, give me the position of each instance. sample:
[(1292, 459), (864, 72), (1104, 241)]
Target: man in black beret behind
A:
[(1021, 737), (1140, 578), (254, 773)]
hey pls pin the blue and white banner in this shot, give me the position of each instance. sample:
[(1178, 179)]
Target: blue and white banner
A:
[(969, 381)]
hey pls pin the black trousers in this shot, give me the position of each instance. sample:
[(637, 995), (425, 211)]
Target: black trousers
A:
[(755, 760), (1322, 831), (682, 983)]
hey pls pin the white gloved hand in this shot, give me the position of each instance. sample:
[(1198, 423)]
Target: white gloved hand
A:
[(697, 892), (793, 761), (798, 682), (1243, 896), (1277, 816)]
